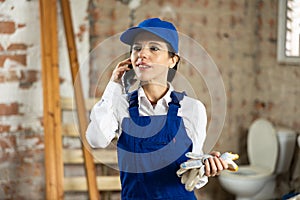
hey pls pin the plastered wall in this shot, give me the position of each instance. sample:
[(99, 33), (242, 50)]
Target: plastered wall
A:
[(21, 100)]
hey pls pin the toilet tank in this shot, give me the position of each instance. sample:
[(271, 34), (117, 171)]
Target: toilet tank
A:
[(287, 141)]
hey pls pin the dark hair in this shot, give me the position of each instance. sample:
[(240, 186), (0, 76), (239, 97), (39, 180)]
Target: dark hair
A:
[(172, 71)]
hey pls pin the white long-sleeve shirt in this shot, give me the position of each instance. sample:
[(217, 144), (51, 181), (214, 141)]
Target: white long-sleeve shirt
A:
[(107, 115)]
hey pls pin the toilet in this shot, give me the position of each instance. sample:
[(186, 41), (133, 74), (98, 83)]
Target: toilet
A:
[(270, 152)]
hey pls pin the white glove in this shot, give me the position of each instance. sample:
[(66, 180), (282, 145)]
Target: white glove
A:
[(192, 172), (229, 158)]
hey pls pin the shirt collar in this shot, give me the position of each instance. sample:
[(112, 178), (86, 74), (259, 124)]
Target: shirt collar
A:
[(165, 99)]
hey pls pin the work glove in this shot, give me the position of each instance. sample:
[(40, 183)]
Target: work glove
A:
[(192, 172)]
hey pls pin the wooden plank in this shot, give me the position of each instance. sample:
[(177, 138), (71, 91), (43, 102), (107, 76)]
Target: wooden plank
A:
[(50, 180), (55, 96), (50, 177), (105, 183), (101, 156), (80, 102), (69, 103), (51, 118)]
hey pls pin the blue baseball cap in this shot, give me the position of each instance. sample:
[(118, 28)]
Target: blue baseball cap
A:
[(158, 27)]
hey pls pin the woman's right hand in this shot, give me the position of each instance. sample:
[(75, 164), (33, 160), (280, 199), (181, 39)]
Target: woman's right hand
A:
[(120, 69)]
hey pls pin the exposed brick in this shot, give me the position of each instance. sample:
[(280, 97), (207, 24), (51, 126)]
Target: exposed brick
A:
[(7, 149), (205, 3), (17, 46), (259, 22), (28, 77), (233, 5), (2, 59), (10, 76), (21, 58), (21, 25), (271, 23), (4, 128), (29, 142), (1, 48), (260, 4), (82, 30), (9, 109), (7, 27)]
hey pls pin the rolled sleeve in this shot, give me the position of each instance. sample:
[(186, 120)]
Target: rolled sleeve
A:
[(103, 118), (194, 117), (199, 128)]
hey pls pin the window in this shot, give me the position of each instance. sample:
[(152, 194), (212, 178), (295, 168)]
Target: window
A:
[(288, 50)]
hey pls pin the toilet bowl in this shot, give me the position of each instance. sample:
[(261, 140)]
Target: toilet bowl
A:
[(270, 152)]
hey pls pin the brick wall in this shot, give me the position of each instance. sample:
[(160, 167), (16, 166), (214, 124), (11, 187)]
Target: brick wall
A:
[(21, 130), (239, 35)]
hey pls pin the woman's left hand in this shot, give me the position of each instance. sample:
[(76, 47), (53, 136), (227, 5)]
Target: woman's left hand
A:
[(214, 165)]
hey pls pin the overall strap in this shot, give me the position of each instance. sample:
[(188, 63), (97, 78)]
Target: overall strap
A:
[(174, 105), (133, 104)]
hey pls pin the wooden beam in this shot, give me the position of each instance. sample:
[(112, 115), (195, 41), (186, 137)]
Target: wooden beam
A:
[(80, 103), (51, 98), (56, 100)]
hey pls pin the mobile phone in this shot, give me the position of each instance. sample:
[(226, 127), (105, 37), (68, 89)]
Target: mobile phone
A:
[(128, 78)]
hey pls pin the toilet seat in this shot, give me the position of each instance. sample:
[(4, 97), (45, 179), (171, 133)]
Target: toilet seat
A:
[(249, 173), (247, 182), (262, 145)]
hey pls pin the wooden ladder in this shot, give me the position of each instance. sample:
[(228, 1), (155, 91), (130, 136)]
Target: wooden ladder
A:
[(105, 158), (55, 155)]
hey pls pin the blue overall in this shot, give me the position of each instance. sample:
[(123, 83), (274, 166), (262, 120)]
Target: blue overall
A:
[(150, 150)]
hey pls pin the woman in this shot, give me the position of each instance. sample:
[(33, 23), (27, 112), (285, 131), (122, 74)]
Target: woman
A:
[(155, 125)]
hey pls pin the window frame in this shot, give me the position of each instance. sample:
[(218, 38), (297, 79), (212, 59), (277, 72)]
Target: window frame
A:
[(281, 37)]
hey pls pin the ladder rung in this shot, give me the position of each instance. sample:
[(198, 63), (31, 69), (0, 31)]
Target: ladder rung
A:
[(69, 103), (70, 130), (101, 156), (105, 183)]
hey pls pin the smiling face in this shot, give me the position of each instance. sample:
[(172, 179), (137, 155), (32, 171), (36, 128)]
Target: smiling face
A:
[(150, 58)]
